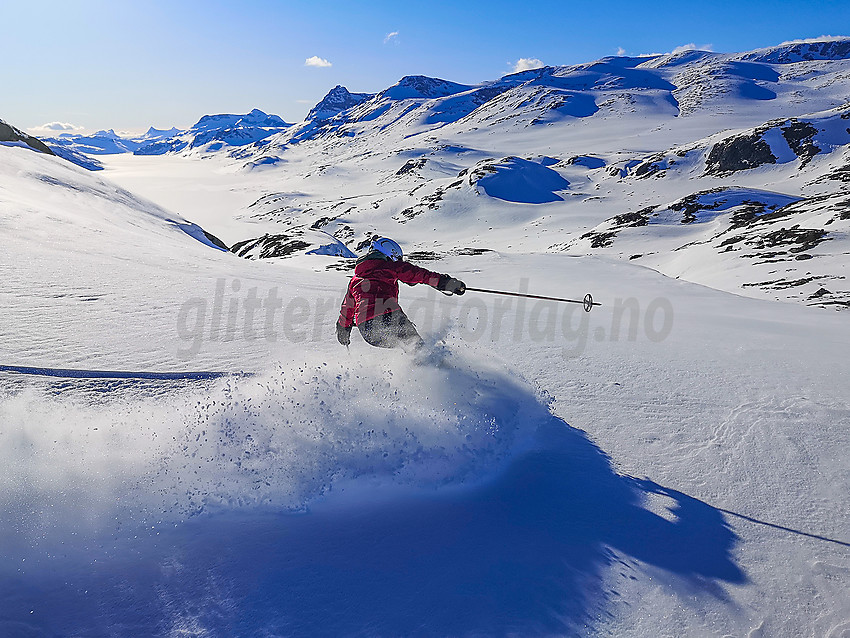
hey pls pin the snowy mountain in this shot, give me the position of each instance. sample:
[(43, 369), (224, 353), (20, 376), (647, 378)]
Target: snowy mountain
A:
[(210, 133), (216, 132), (599, 144), (687, 84), (802, 51), (79, 149), (672, 463), (337, 100), (108, 142)]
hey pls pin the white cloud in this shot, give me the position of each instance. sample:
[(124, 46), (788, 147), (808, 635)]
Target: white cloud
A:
[(317, 61), (621, 51), (820, 38), (55, 127), (526, 64), (693, 47), (391, 37)]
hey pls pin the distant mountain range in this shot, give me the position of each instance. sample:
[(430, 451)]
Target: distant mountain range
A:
[(673, 85), (211, 133)]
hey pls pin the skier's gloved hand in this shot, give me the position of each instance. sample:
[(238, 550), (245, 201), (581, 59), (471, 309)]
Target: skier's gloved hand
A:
[(452, 285), (343, 334)]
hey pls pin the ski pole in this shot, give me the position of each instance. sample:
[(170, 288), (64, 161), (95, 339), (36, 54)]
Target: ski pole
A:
[(587, 302)]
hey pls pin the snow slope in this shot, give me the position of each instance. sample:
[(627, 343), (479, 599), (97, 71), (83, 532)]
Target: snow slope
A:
[(338, 495), (672, 463)]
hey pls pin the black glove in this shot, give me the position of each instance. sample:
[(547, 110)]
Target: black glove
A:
[(343, 334), (451, 285)]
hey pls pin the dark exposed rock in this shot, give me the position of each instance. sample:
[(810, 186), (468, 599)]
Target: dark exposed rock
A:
[(739, 153), (411, 166), (639, 218), (604, 239), (471, 251), (423, 255), (689, 206), (787, 54), (363, 245), (800, 239), (600, 240), (322, 221), (11, 134), (269, 246), (428, 202), (215, 240), (346, 265), (747, 214), (799, 136), (588, 161), (650, 166), (780, 284), (337, 100), (841, 174), (784, 211)]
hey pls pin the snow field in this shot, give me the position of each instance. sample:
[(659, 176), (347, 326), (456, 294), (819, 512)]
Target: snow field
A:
[(674, 466)]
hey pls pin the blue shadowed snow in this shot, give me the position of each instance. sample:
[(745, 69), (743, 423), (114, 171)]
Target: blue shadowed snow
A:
[(65, 373), (461, 508), (753, 71), (456, 107), (195, 231), (588, 161), (753, 91), (608, 75), (522, 181)]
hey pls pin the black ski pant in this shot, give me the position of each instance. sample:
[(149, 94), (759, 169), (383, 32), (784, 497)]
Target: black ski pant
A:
[(391, 330)]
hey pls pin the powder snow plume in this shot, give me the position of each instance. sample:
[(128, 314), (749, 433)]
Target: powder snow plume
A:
[(279, 439)]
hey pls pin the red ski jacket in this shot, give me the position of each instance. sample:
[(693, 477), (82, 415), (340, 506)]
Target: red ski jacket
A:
[(373, 290)]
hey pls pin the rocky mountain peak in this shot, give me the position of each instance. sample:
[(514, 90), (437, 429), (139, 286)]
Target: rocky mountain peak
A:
[(421, 86), (337, 100)]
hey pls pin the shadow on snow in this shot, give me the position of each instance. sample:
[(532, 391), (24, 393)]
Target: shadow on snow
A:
[(527, 553)]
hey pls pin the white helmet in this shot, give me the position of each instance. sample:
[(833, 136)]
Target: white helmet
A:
[(387, 247)]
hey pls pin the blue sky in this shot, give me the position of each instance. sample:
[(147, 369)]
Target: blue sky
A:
[(132, 64)]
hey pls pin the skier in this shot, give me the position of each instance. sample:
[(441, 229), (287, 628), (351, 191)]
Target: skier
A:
[(371, 302)]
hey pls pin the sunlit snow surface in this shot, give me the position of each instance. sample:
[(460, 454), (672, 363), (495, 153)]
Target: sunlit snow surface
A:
[(672, 463)]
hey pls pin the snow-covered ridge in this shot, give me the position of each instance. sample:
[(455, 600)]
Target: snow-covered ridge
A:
[(807, 50), (337, 100), (686, 84), (44, 195)]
